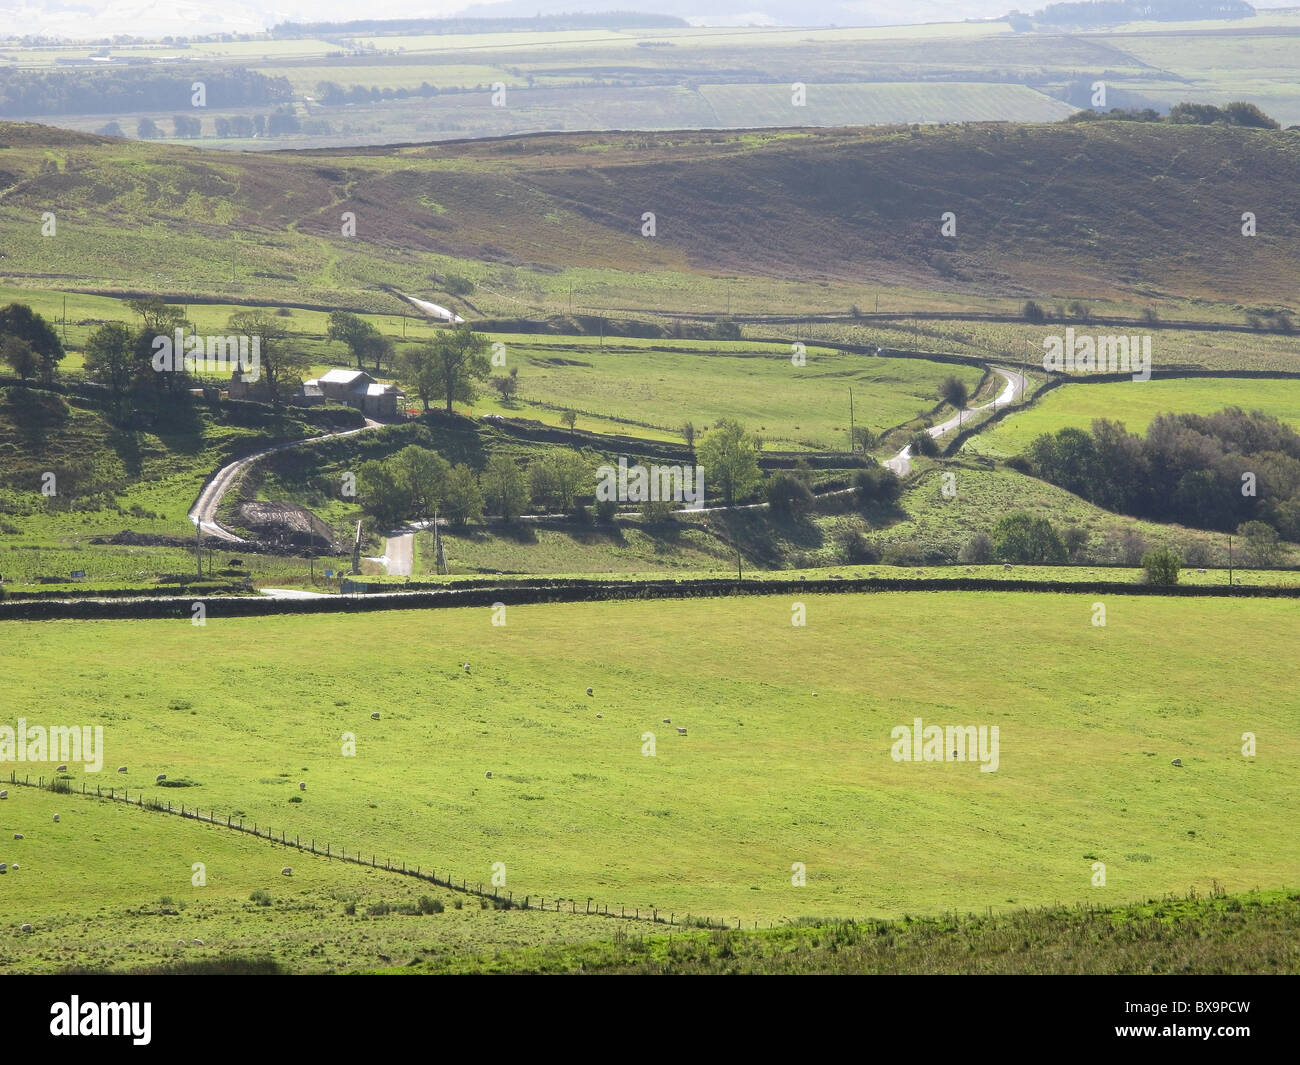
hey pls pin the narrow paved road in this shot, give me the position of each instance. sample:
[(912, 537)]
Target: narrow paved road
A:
[(901, 463), (204, 512)]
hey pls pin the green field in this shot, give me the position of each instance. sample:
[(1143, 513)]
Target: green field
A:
[(1077, 404), (769, 773)]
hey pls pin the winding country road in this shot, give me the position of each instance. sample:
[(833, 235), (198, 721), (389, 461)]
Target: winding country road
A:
[(204, 512), (901, 463)]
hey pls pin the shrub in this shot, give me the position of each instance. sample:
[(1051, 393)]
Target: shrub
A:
[(1032, 312), (605, 511), (1161, 566), (428, 904), (260, 896), (877, 485), (1022, 537), (378, 909), (924, 444), (977, 551), (1132, 546), (857, 550), (788, 495)]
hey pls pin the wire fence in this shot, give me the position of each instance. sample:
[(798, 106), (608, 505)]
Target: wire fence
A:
[(499, 898)]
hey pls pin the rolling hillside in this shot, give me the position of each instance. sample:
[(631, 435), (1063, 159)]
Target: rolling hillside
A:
[(1100, 210)]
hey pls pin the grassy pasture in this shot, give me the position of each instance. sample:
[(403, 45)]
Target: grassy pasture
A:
[(769, 774), (110, 886), (1135, 404)]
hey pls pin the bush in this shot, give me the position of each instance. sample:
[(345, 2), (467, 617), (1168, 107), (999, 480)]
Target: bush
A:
[(1161, 566), (260, 896), (857, 550), (923, 443), (977, 551), (878, 485), (1132, 546), (788, 495), (428, 904), (605, 511), (1022, 537), (1032, 312), (903, 555)]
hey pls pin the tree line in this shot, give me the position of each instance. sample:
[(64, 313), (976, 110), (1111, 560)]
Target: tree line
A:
[(1215, 471), (121, 90)]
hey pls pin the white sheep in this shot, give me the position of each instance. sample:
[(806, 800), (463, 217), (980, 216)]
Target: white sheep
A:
[(374, 716), (62, 769), (18, 835), (56, 819), (121, 769), (489, 772), (25, 928), (198, 942), (600, 715), (160, 778), (302, 785), (1178, 762), (3, 868), (286, 871), (681, 731), (588, 691), (4, 794)]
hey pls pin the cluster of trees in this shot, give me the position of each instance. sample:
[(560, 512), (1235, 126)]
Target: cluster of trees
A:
[(1237, 113), (1116, 12), (29, 345), (416, 483), (614, 20), (122, 90), (1212, 471), (364, 341), (281, 122)]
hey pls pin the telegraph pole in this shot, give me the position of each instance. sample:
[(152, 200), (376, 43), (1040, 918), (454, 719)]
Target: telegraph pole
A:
[(853, 442)]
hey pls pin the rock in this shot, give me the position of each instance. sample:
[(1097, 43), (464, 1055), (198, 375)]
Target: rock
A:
[(1178, 762), (25, 928), (286, 871)]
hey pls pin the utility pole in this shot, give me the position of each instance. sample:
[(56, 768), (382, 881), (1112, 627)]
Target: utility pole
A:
[(65, 319), (853, 441), (1229, 560)]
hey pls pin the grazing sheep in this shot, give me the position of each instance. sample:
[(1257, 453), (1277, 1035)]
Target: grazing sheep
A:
[(588, 691), (25, 928), (56, 818), (286, 871), (489, 772), (814, 695), (180, 942), (1178, 762), (374, 716), (466, 665), (302, 785), (600, 715), (121, 769), (668, 721), (160, 778), (1006, 565), (1200, 571), (4, 794), (198, 942), (681, 731), (62, 769), (14, 867), (3, 868), (18, 835)]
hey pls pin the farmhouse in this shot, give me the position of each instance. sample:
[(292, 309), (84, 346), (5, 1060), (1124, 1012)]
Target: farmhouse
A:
[(358, 389)]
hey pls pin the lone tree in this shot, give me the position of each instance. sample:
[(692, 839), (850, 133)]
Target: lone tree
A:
[(18, 355), (448, 367), (504, 488), (569, 418), (688, 434), (281, 366), (362, 339), (21, 321), (1161, 565), (507, 385), (953, 391), (109, 362), (730, 460), (1022, 537)]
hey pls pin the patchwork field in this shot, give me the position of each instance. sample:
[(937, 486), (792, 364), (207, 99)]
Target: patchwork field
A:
[(1076, 405), (768, 774)]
